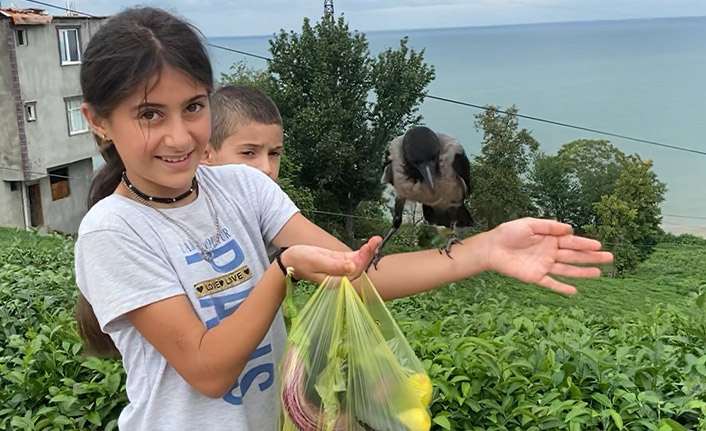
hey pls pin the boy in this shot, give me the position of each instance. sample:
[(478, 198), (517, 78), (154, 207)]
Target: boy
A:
[(246, 128)]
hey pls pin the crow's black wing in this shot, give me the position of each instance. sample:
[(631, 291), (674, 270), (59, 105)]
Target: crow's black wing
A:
[(462, 167)]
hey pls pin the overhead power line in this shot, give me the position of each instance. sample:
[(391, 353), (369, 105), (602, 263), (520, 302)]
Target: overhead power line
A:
[(466, 104)]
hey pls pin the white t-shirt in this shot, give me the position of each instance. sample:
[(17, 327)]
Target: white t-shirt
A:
[(128, 256)]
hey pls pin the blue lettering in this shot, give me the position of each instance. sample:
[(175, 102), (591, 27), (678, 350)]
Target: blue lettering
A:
[(238, 257), (247, 381), (223, 305)]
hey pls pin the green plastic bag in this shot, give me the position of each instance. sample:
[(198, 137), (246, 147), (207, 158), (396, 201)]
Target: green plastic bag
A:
[(348, 367)]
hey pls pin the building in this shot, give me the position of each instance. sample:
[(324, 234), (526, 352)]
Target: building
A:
[(46, 147)]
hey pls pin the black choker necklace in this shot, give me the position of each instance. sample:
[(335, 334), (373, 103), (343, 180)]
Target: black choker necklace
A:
[(149, 198)]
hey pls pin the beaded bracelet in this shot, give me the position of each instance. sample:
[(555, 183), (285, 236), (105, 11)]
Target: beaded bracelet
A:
[(278, 258)]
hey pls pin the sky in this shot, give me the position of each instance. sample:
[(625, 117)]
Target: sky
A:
[(265, 17)]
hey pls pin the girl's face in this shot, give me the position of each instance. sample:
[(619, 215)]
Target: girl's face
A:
[(162, 133)]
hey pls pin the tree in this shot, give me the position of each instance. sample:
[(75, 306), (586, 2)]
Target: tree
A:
[(241, 73), (300, 195), (553, 189), (399, 80), (628, 220), (497, 190), (595, 166), (336, 132)]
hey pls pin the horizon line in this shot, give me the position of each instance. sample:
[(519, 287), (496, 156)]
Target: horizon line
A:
[(524, 24)]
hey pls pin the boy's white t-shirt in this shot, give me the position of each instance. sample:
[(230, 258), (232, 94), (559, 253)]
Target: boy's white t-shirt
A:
[(129, 256)]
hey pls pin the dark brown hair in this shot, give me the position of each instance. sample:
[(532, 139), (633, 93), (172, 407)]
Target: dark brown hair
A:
[(128, 51), (233, 106)]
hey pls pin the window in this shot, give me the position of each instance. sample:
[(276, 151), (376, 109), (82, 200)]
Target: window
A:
[(77, 124), (59, 181), (21, 36), (14, 186), (69, 46), (31, 111)]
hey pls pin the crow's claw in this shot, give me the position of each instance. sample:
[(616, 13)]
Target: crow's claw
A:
[(375, 260), (451, 240)]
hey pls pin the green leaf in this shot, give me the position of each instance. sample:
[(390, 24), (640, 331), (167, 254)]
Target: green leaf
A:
[(701, 301), (94, 418), (62, 398), (574, 413), (62, 420), (651, 396), (465, 388), (695, 404), (616, 418), (443, 421), (113, 383), (674, 425), (44, 410), (605, 401)]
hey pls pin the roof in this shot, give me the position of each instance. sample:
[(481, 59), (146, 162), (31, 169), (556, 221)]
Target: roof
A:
[(34, 16), (29, 16)]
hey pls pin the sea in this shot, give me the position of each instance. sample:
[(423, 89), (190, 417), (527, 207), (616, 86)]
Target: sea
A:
[(644, 79)]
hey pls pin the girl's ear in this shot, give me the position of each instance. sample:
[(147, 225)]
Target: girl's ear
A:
[(207, 157), (94, 120)]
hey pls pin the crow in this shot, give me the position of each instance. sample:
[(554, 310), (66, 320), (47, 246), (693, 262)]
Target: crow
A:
[(432, 169)]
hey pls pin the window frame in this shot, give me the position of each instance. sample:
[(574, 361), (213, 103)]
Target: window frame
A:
[(62, 42), (59, 183), (21, 33), (69, 121), (30, 104)]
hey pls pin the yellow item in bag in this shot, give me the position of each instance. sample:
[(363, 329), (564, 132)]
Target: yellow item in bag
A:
[(348, 367), (421, 383)]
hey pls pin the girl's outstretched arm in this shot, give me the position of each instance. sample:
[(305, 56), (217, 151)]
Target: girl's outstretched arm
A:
[(529, 249)]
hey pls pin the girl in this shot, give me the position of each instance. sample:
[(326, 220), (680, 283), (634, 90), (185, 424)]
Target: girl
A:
[(171, 256)]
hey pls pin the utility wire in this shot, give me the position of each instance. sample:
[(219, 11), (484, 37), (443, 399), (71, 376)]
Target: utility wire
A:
[(460, 102), (501, 111), (430, 96), (357, 217), (43, 174), (61, 8)]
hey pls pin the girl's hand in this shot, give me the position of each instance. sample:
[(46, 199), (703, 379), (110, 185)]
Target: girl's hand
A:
[(315, 263), (531, 249)]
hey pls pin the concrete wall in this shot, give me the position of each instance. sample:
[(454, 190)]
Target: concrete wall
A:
[(9, 138), (43, 79), (64, 215), (11, 209)]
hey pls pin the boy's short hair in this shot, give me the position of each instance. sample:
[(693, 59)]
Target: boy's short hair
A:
[(233, 106)]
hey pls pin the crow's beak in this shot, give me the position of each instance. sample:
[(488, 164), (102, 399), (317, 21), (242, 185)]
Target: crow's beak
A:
[(427, 169)]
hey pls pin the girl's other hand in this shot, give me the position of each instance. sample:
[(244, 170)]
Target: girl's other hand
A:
[(315, 263)]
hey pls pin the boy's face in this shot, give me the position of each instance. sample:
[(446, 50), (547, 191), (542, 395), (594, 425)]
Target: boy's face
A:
[(255, 144)]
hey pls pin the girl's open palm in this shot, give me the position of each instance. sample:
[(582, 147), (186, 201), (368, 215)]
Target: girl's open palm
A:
[(531, 249)]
